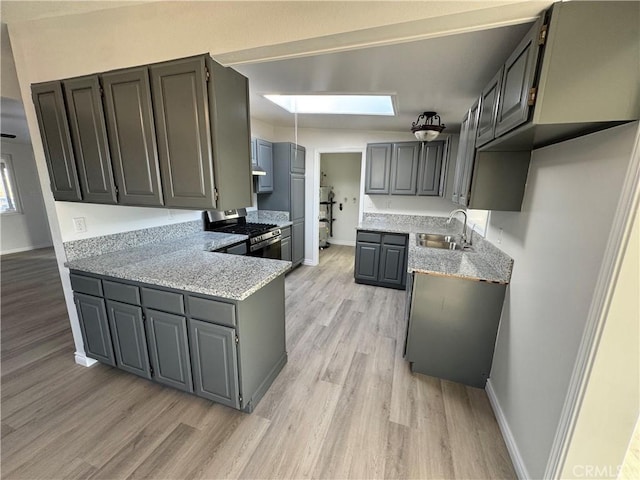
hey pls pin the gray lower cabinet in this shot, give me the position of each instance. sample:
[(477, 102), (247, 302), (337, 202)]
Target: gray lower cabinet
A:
[(95, 328), (169, 349), (187, 341), (214, 361), (453, 323), (381, 259), (285, 244), (132, 136), (297, 242), (129, 340)]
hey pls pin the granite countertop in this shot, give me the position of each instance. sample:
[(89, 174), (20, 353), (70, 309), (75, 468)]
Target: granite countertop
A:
[(275, 217), (484, 262), (189, 264)]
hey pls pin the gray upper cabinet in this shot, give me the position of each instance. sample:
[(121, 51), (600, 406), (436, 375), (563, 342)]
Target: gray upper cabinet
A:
[(297, 159), (169, 349), (264, 159), (378, 169), (132, 136), (56, 140), (404, 168), (94, 326), (184, 141), (488, 110), (129, 341), (430, 168), (517, 81), (89, 137), (214, 360), (470, 154)]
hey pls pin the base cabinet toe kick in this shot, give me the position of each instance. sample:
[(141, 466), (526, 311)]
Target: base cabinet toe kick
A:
[(223, 350)]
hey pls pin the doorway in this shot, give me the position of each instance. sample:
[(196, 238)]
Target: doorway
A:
[(340, 197)]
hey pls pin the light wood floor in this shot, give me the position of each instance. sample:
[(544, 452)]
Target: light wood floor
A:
[(345, 405)]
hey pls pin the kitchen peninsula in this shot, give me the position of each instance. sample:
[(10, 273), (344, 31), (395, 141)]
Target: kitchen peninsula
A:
[(161, 304)]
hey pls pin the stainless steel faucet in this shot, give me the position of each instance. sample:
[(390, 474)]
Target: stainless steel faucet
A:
[(464, 224)]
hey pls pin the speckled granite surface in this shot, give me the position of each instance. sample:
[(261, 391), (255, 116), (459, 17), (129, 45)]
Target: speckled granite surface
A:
[(275, 217), (483, 262), (119, 241), (188, 264)]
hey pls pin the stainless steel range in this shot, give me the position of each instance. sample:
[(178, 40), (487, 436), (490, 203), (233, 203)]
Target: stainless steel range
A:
[(264, 239)]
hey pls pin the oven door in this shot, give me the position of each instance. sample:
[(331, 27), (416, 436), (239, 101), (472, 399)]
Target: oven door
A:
[(268, 249)]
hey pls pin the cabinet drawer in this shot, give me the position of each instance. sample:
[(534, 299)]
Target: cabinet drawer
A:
[(160, 300), (286, 232), (369, 237), (390, 239), (217, 312), (121, 292), (89, 285)]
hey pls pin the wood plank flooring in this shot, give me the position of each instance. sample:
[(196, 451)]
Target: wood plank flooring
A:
[(345, 405)]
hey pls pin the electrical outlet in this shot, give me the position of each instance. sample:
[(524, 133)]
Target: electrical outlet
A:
[(79, 224)]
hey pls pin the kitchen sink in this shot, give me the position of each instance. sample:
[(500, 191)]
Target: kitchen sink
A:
[(446, 242)]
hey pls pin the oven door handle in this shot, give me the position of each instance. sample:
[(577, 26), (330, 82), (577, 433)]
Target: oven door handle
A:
[(265, 243)]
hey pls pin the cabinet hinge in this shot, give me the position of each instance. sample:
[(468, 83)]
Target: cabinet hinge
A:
[(206, 73), (215, 194), (240, 399), (237, 339), (151, 371), (532, 96), (542, 37)]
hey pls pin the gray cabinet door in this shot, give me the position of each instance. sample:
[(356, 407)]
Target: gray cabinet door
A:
[(461, 158), (367, 261), (179, 92), (392, 264), (488, 110), (297, 242), (129, 340), (430, 168), (94, 326), (214, 360), (517, 80), (169, 349), (404, 168), (89, 138), (132, 136), (378, 169), (297, 197), (56, 141), (469, 156), (285, 245), (264, 159), (297, 159)]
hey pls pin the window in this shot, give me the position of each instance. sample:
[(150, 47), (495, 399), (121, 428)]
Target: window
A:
[(9, 200), (335, 104)]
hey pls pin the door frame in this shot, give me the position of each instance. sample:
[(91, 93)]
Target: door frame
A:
[(315, 209)]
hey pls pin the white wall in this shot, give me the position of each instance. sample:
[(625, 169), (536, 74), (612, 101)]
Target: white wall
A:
[(29, 229), (318, 141), (610, 407), (558, 243), (342, 172)]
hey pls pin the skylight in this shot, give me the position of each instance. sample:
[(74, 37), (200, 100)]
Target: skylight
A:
[(335, 104)]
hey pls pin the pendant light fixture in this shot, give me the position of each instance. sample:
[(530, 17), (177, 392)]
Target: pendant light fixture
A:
[(427, 131)]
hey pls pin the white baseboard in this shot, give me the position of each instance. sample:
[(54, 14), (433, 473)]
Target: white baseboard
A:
[(309, 262), (82, 359), (25, 249), (512, 446), (348, 243)]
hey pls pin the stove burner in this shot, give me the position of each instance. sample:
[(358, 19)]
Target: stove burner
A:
[(250, 229)]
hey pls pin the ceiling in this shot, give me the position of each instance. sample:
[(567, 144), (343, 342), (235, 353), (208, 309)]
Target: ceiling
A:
[(444, 74)]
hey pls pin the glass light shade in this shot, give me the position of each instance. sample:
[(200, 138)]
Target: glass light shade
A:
[(426, 135)]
